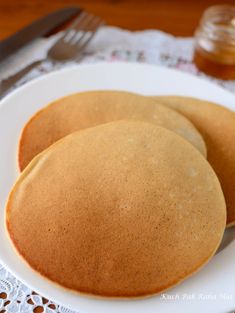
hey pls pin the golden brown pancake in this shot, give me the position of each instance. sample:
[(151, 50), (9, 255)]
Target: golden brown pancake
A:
[(124, 209), (89, 109), (217, 126)]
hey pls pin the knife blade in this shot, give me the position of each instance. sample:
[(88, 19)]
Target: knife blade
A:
[(36, 29)]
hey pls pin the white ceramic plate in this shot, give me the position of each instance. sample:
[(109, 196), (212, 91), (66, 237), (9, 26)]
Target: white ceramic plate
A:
[(210, 290)]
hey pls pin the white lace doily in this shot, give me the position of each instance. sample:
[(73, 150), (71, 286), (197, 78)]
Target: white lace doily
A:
[(110, 44)]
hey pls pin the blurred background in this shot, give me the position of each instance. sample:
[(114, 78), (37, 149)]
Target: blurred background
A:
[(178, 17)]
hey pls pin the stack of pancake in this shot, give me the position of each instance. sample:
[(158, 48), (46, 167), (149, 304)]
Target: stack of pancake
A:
[(123, 195)]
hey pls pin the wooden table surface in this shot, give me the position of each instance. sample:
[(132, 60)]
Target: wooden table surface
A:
[(179, 17)]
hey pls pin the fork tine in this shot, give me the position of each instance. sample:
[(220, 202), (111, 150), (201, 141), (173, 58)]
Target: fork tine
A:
[(82, 28), (83, 24), (75, 39), (94, 24), (71, 31), (78, 19), (81, 45)]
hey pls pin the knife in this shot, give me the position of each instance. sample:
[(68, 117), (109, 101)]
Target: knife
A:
[(37, 29)]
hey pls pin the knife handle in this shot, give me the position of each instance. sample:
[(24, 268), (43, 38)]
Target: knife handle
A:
[(12, 80)]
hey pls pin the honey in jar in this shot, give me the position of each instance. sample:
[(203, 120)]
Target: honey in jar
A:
[(215, 42)]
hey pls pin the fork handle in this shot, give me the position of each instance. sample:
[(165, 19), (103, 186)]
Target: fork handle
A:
[(7, 83)]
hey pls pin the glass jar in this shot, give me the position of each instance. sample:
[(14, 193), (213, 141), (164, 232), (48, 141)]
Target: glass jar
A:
[(215, 42)]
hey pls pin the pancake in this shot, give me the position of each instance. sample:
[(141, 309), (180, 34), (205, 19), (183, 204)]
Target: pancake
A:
[(124, 209), (217, 126), (89, 109)]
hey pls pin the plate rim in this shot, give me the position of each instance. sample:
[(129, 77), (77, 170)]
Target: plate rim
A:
[(54, 74)]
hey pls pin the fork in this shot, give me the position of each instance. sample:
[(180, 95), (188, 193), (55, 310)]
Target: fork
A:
[(67, 48)]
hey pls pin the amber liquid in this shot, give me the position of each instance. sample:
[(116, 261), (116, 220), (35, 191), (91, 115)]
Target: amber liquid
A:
[(215, 64)]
